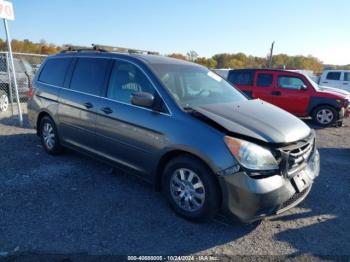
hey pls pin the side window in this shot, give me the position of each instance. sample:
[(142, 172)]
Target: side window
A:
[(333, 75), (241, 78), (290, 82), (89, 75), (346, 76), (54, 71), (126, 79), (264, 80)]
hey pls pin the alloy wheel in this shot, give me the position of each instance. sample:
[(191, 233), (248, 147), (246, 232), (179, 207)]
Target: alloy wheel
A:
[(4, 103), (187, 190), (48, 136), (325, 116)]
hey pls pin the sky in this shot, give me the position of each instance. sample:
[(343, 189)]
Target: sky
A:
[(299, 27)]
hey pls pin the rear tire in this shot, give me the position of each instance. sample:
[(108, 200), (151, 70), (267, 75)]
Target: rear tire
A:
[(324, 115), (49, 136), (191, 189), (4, 101)]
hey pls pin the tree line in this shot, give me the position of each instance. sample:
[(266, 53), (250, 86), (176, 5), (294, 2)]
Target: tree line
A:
[(224, 60), (280, 61)]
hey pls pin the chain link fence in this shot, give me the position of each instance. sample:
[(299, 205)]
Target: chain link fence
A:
[(25, 66)]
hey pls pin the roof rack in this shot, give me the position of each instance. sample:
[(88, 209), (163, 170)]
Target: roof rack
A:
[(71, 48), (105, 48), (123, 50)]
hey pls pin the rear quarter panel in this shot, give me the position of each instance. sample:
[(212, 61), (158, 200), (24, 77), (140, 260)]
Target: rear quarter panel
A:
[(45, 99)]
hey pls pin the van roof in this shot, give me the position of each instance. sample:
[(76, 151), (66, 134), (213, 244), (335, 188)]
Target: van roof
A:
[(146, 58)]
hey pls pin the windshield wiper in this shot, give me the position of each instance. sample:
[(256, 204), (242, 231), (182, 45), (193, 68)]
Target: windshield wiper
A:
[(188, 108)]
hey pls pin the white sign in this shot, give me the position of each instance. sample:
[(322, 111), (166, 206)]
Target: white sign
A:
[(6, 10)]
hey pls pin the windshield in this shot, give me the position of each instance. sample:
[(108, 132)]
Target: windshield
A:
[(313, 83), (192, 85)]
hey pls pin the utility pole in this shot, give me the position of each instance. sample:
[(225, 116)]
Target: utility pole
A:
[(271, 54)]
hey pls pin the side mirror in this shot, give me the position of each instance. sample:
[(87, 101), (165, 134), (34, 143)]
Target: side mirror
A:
[(143, 99), (303, 87)]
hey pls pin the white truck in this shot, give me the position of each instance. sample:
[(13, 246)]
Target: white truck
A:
[(336, 78)]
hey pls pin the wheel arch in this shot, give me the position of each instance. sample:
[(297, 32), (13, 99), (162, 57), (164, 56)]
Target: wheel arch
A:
[(168, 156), (5, 87), (323, 104), (40, 116), (316, 102)]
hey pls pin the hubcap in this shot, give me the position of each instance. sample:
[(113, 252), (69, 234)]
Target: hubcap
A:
[(325, 116), (48, 136), (4, 103), (187, 190)]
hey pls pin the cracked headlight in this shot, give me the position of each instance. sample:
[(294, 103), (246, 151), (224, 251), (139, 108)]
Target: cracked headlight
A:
[(250, 155)]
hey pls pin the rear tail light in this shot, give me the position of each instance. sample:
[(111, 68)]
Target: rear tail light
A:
[(30, 92)]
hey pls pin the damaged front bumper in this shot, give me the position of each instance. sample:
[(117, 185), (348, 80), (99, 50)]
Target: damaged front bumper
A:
[(251, 199)]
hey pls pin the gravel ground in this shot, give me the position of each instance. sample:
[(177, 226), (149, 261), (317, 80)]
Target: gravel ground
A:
[(72, 205)]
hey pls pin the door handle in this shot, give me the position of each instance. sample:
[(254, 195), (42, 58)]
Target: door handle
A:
[(88, 105), (107, 110), (345, 83), (325, 82), (276, 93)]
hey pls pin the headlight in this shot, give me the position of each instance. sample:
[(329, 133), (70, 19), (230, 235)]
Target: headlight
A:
[(250, 155)]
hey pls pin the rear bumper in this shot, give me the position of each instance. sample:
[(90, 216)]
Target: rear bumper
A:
[(32, 114), (251, 199)]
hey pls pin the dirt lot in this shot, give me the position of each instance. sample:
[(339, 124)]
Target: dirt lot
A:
[(73, 205)]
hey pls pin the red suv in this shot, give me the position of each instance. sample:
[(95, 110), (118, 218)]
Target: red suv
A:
[(293, 92)]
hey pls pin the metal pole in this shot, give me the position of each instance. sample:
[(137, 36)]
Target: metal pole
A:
[(271, 54), (10, 80), (13, 72)]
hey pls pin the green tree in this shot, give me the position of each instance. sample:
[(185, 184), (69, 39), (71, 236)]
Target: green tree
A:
[(178, 56), (208, 62), (192, 55)]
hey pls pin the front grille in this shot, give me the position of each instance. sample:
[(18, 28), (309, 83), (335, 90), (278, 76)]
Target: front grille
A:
[(294, 157), (293, 201)]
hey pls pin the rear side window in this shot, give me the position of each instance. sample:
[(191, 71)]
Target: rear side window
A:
[(264, 80), (290, 82), (89, 75), (241, 78), (54, 71), (346, 76), (333, 75)]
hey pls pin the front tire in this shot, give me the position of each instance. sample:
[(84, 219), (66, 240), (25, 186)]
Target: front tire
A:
[(4, 101), (191, 189), (49, 136), (324, 116)]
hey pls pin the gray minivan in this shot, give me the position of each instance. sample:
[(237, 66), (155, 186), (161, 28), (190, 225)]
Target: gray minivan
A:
[(179, 126)]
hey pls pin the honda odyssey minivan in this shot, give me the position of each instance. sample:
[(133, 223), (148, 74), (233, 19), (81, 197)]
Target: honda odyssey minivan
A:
[(179, 126)]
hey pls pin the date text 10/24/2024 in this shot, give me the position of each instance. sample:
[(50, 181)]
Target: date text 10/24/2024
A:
[(172, 258)]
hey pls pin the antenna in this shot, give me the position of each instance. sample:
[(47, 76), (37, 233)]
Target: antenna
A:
[(271, 54)]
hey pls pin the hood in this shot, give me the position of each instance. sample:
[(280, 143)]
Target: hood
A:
[(336, 91), (256, 119)]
